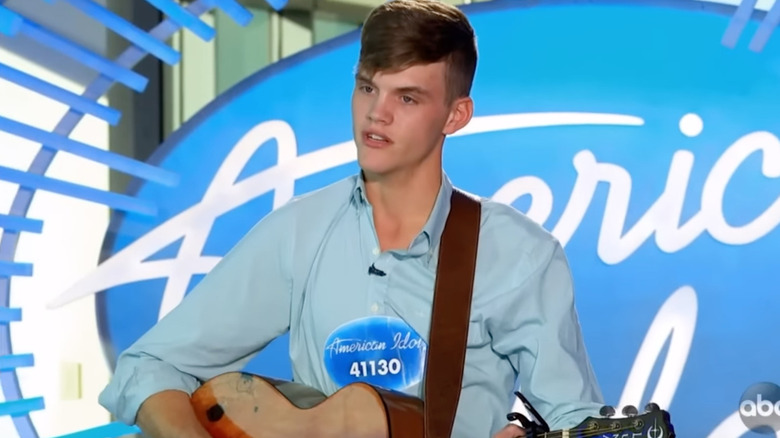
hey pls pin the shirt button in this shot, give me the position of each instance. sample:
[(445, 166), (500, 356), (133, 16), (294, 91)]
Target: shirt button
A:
[(376, 251), (374, 308)]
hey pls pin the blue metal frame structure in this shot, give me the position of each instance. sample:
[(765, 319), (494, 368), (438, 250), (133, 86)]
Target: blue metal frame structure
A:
[(111, 72)]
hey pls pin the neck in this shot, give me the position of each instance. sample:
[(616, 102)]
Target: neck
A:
[(402, 204), (403, 196)]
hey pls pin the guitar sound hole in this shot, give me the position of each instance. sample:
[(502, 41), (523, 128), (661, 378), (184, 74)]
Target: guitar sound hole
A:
[(215, 413)]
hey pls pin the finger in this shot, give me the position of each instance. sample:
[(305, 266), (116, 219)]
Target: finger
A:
[(510, 431)]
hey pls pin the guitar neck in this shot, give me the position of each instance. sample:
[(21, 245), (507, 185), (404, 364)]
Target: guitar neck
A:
[(654, 423), (563, 433)]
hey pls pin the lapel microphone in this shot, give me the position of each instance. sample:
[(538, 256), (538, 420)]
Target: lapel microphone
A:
[(372, 270)]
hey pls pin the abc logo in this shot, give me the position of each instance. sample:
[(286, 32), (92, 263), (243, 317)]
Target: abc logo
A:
[(759, 408)]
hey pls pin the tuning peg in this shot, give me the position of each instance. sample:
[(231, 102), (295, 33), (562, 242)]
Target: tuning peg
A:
[(652, 407), (607, 411), (630, 411)]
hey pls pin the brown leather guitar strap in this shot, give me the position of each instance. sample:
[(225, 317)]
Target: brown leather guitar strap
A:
[(451, 311)]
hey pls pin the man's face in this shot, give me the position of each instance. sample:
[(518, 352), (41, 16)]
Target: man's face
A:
[(399, 119)]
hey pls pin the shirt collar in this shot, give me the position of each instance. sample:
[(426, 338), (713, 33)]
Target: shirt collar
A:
[(430, 236), (359, 191), (434, 227)]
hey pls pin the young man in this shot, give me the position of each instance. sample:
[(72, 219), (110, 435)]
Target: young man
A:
[(303, 268)]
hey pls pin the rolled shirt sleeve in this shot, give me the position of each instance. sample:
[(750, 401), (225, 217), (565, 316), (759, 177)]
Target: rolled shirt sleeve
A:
[(236, 310), (540, 334)]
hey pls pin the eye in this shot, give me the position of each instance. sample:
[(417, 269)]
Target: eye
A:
[(407, 99), (366, 88)]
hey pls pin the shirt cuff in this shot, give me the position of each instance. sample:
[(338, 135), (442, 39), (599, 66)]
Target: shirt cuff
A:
[(129, 388)]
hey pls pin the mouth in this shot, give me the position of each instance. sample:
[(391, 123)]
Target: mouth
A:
[(375, 139)]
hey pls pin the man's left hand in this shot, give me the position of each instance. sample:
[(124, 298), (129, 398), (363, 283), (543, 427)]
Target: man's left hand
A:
[(510, 431)]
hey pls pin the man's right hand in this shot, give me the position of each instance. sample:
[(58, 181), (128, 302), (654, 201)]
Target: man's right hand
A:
[(169, 414), (510, 431)]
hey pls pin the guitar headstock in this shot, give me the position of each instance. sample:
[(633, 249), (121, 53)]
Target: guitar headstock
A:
[(653, 423)]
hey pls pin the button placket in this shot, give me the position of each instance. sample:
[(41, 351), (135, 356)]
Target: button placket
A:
[(379, 283)]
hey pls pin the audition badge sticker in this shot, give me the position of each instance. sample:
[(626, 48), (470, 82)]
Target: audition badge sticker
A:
[(379, 350)]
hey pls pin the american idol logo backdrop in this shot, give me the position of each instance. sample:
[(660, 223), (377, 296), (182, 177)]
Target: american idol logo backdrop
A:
[(625, 128)]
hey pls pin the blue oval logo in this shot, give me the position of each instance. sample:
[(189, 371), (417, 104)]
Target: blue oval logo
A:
[(648, 148), (378, 350)]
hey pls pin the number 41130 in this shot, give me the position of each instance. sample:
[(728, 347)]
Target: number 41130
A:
[(380, 367)]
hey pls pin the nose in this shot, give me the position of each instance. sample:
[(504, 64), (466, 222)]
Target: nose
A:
[(380, 111)]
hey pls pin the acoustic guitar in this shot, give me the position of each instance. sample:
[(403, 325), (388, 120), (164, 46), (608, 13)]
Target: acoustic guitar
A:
[(242, 405)]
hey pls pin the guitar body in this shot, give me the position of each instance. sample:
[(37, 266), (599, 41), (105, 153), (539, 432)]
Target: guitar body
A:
[(241, 405)]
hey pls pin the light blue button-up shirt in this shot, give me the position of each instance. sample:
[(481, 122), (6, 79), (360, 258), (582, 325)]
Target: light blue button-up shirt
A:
[(304, 269)]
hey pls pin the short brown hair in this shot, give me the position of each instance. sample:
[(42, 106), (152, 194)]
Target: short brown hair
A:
[(401, 33)]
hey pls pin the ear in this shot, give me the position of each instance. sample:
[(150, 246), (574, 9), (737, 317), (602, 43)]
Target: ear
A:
[(460, 115)]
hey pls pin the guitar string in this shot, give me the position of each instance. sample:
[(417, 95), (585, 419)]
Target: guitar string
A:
[(580, 433)]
